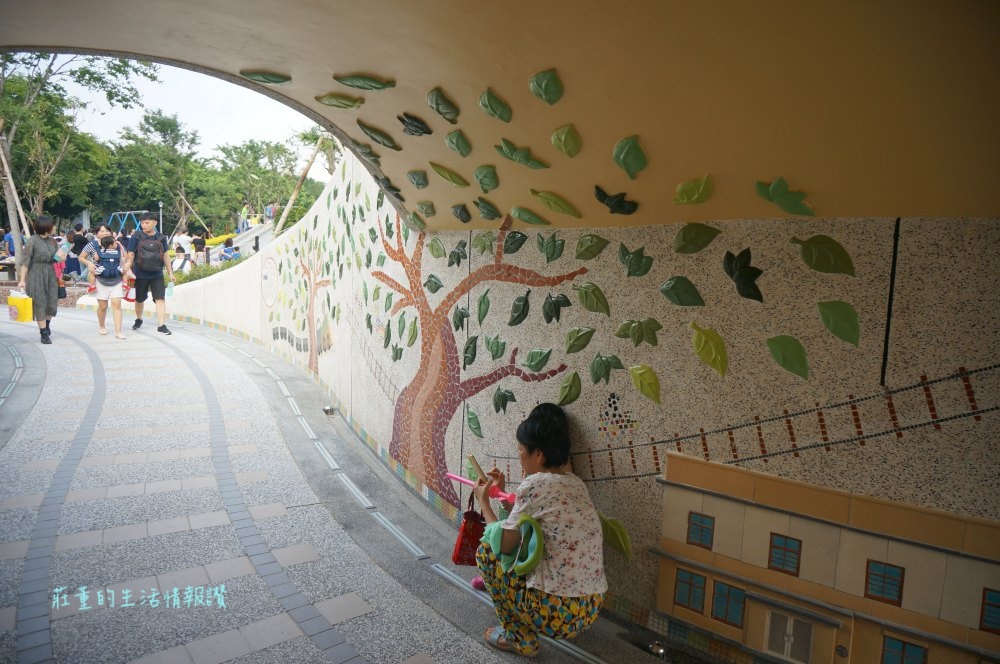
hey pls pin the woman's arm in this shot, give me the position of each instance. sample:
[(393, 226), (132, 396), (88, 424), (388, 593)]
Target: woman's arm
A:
[(510, 539)]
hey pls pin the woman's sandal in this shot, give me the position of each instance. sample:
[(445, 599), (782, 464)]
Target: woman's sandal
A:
[(101, 330), (493, 635)]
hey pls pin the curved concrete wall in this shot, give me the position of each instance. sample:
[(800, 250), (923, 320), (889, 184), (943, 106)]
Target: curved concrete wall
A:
[(347, 295)]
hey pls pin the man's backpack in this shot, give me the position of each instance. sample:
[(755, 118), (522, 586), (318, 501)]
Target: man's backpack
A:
[(149, 252)]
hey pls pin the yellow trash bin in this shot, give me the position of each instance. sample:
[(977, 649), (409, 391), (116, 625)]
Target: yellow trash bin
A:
[(19, 307)]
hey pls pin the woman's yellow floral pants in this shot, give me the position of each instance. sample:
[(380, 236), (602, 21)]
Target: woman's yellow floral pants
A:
[(525, 613)]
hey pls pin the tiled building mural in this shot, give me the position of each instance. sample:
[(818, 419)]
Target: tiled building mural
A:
[(439, 344)]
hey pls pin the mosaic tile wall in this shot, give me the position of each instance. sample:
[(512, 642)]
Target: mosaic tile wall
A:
[(436, 347)]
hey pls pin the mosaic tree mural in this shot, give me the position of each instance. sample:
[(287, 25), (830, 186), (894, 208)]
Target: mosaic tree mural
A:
[(304, 272), (427, 405)]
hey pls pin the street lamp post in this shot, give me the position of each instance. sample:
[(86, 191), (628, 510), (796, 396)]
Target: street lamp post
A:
[(160, 229)]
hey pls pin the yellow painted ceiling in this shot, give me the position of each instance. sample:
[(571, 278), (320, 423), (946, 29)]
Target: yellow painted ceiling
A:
[(888, 108)]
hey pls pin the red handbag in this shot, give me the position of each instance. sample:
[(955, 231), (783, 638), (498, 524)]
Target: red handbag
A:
[(469, 533)]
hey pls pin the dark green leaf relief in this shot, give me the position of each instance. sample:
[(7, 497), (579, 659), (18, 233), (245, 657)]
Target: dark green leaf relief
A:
[(537, 359), (501, 398), (483, 242), (496, 347), (841, 319), (601, 366), (457, 141), (469, 354), (629, 156), (458, 318), (639, 330), (551, 247), (513, 242), (433, 284), (388, 301), (486, 177), (592, 298), (461, 212), (743, 274), (265, 77), (519, 310), (552, 307), (792, 202), (578, 338), (637, 263), (340, 101), (372, 234), (547, 86), (387, 338), (692, 238), (682, 292), (824, 254), (566, 139), (590, 246), (458, 254), (411, 337), (569, 390), (710, 348), (616, 203), (436, 248), (646, 381), (789, 353), (376, 294), (694, 191), (379, 136), (365, 151), (442, 105), (413, 126), (426, 208), (364, 82), (494, 106), (397, 353), (557, 203), (450, 175), (417, 178), (414, 221), (483, 306), (523, 156), (528, 217), (380, 261), (473, 421), (486, 209)]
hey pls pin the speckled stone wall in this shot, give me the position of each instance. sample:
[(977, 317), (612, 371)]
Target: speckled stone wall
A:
[(924, 434)]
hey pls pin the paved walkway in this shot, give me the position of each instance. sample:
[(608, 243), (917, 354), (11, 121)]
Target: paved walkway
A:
[(185, 499)]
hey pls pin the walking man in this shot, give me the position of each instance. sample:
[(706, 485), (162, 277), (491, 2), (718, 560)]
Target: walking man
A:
[(147, 251)]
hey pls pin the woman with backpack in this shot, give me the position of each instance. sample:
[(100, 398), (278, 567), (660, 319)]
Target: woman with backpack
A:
[(105, 258)]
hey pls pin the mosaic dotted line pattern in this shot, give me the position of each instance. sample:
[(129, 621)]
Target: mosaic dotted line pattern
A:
[(15, 375)]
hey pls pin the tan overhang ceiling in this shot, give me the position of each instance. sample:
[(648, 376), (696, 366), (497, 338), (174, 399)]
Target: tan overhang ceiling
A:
[(868, 109)]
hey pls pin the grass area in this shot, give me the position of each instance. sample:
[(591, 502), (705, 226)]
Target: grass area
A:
[(202, 271)]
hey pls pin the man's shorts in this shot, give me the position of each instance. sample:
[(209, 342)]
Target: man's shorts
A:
[(155, 285), (105, 292)]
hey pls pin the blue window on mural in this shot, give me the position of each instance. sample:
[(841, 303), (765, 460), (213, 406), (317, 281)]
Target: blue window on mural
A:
[(895, 651), (727, 604), (784, 554), (689, 590), (991, 611), (884, 582), (701, 529)]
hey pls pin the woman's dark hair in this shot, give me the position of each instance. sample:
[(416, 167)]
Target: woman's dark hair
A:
[(228, 242), (546, 429), (43, 225)]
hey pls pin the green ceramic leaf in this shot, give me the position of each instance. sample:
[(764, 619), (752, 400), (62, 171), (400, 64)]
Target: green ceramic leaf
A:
[(824, 254), (789, 353), (546, 86), (486, 177), (513, 242), (646, 381), (556, 202), (518, 155), (387, 338), (592, 298), (368, 322), (496, 347), (601, 366), (842, 320), (459, 317), (552, 307), (364, 291), (629, 156), (486, 209), (569, 391), (551, 247), (411, 337), (578, 338), (639, 331), (637, 263), (483, 242), (473, 421), (443, 106), (426, 208), (388, 301), (450, 175), (436, 248), (457, 141), (471, 348), (340, 101), (694, 191), (567, 140), (376, 293), (501, 398), (682, 292), (792, 202), (433, 284), (364, 82), (710, 348), (401, 326), (380, 261), (414, 221), (265, 77), (379, 136), (483, 306), (458, 254), (519, 310), (417, 178), (537, 359), (692, 238), (590, 246), (616, 536), (528, 217), (397, 352), (494, 106)]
